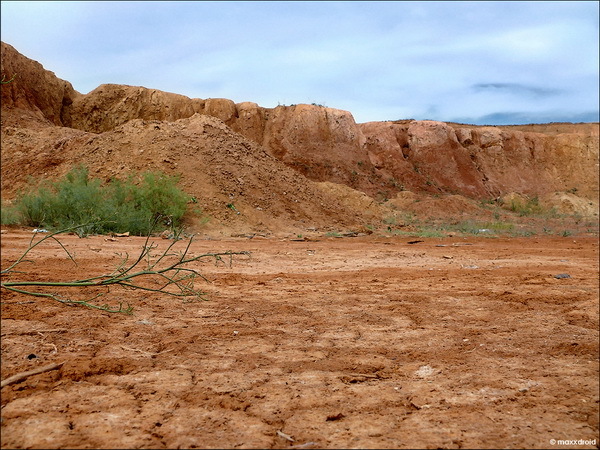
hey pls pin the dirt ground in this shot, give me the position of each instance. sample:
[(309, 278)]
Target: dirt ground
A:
[(350, 342)]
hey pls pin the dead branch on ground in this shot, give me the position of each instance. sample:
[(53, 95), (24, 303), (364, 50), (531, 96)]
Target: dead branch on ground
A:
[(168, 268), (23, 375)]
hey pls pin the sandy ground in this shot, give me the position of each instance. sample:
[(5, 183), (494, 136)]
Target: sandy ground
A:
[(353, 342)]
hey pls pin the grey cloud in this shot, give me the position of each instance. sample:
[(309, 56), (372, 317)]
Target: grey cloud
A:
[(516, 88), (524, 118)]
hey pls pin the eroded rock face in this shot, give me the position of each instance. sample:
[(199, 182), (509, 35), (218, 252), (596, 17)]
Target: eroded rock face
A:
[(326, 144), (251, 121), (535, 163), (111, 105), (323, 144), (35, 94), (388, 149), (486, 162), (446, 163)]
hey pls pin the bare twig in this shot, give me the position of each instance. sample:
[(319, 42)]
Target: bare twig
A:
[(285, 436), (23, 375), (20, 333)]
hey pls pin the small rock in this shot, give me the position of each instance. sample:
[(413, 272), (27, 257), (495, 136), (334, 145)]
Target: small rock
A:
[(562, 275), (424, 371), (332, 417)]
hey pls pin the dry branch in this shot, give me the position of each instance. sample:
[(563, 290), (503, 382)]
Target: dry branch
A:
[(176, 278), (23, 375)]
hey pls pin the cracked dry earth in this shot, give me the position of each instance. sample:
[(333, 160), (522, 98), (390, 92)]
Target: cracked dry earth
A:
[(354, 342)]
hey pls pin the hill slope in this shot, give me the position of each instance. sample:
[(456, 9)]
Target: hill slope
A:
[(287, 168)]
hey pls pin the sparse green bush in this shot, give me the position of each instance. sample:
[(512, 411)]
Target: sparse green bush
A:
[(117, 206), (466, 227), (527, 207)]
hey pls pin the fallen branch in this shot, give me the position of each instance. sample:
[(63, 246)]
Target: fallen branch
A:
[(23, 375), (176, 279), (56, 330)]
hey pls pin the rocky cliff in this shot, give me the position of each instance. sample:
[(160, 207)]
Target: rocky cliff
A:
[(44, 116)]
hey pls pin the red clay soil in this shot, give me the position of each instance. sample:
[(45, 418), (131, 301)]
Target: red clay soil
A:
[(352, 342)]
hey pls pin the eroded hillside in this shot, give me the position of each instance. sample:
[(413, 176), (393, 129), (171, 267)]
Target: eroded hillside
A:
[(299, 166)]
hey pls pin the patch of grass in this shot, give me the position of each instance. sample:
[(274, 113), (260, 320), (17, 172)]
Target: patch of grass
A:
[(499, 226), (530, 207), (472, 227), (430, 233), (467, 227), (134, 205)]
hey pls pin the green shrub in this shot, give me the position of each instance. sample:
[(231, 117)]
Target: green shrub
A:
[(118, 206), (527, 207)]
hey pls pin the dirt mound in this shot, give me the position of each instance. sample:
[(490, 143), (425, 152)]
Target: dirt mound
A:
[(567, 203), (240, 186)]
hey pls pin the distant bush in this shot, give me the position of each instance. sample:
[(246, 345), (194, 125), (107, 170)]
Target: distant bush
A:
[(117, 206), (524, 206)]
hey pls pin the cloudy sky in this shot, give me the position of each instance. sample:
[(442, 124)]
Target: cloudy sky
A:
[(485, 62)]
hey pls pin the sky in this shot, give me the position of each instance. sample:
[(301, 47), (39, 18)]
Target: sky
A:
[(475, 62)]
